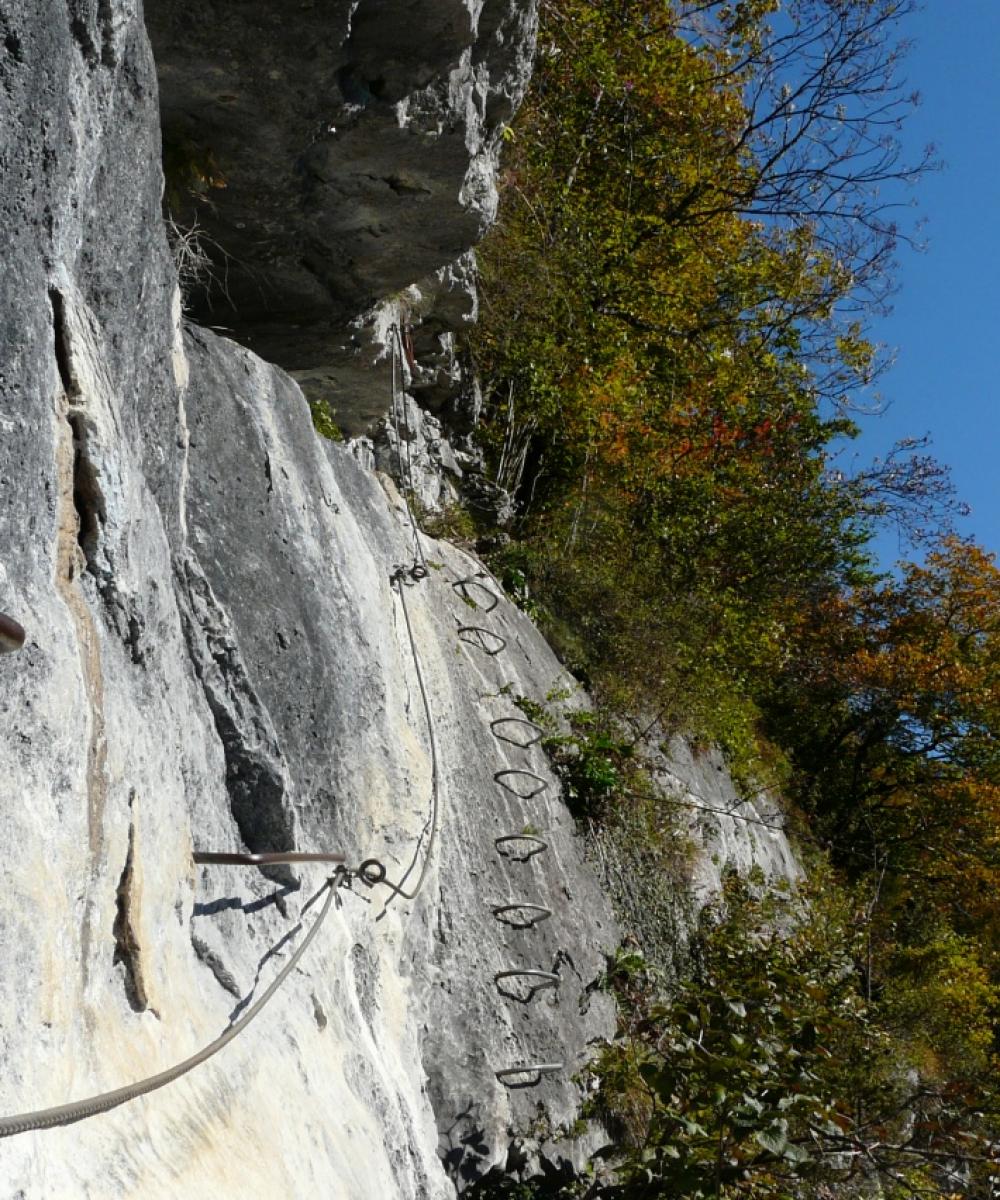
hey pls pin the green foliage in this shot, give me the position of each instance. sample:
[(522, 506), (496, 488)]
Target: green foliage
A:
[(454, 523), (513, 568), (674, 329), (323, 421), (769, 1073), (593, 759), (656, 362)]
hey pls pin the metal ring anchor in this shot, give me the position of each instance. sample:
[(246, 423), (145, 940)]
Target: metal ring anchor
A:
[(542, 914), (482, 639), (462, 587), (12, 634), (405, 576), (539, 732), (539, 847), (499, 776), (538, 1069), (372, 871), (267, 859)]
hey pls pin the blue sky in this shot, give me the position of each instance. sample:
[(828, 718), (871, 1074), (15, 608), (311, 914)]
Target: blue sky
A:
[(946, 314)]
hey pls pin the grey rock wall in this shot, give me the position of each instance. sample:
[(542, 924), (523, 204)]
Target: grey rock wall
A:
[(217, 658)]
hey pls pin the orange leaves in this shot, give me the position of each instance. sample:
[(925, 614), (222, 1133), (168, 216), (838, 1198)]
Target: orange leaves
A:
[(900, 680)]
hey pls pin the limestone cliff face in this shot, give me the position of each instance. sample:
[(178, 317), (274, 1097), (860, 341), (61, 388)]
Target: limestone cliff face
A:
[(217, 658)]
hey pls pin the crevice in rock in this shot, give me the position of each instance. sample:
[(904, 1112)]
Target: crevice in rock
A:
[(105, 16), (223, 976), (60, 333), (319, 1016), (404, 187), (255, 780), (88, 498), (127, 949), (68, 563), (12, 45), (80, 29), (89, 517)]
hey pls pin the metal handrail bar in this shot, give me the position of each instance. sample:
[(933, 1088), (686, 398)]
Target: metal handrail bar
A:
[(548, 978), (266, 859)]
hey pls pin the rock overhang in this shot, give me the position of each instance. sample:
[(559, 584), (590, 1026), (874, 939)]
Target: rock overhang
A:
[(329, 156)]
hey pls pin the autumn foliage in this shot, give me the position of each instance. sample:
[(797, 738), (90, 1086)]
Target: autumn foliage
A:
[(699, 217)]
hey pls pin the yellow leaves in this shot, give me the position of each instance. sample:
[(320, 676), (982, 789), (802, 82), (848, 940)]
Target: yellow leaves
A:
[(942, 993)]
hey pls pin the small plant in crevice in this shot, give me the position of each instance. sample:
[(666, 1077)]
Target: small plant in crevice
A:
[(323, 421), (191, 173)]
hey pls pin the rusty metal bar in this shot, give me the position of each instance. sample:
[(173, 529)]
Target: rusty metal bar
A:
[(538, 1069), (548, 979), (500, 911), (263, 860), (476, 635)]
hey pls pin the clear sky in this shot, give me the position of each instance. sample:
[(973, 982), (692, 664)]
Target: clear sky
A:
[(946, 315)]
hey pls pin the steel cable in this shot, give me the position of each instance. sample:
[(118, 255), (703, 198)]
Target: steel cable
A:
[(431, 825), (67, 1114), (419, 569), (722, 812)]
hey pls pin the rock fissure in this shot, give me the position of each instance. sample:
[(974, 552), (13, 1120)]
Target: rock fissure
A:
[(88, 499), (60, 337), (256, 776), (128, 952), (70, 565)]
